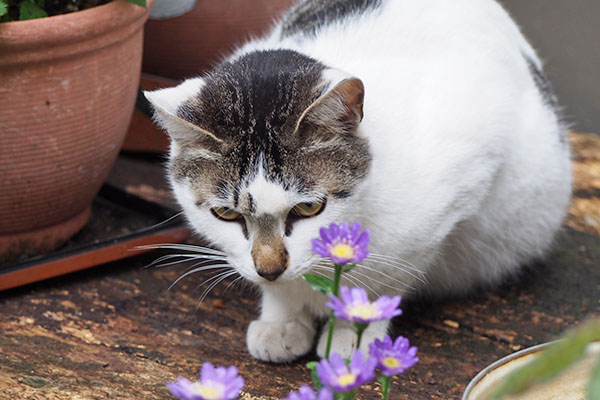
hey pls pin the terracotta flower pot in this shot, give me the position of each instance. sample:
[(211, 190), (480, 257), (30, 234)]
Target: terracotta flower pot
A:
[(190, 44), (67, 90)]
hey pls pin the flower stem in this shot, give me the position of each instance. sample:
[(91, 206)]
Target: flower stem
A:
[(335, 292), (349, 395), (360, 328), (386, 384)]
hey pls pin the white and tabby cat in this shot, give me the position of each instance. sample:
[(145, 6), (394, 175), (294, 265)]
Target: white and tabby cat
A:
[(429, 121)]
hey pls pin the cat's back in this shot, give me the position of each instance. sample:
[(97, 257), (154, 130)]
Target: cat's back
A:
[(343, 31)]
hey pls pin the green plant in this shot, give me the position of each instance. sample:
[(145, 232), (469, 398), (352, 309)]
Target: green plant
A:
[(555, 360), (20, 10)]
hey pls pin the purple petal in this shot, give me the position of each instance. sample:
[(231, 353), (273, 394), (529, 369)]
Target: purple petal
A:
[(182, 388), (231, 373), (304, 393), (325, 394), (344, 232), (368, 371), (355, 231), (336, 305), (325, 372), (400, 344), (339, 260), (331, 234), (357, 362), (359, 295), (233, 388), (324, 233), (363, 240), (319, 248), (388, 306), (208, 372), (346, 295), (338, 364)]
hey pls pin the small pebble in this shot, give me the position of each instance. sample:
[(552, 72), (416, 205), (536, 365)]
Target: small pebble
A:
[(218, 303), (451, 324)]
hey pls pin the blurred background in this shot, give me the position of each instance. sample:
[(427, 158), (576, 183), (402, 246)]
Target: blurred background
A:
[(567, 37)]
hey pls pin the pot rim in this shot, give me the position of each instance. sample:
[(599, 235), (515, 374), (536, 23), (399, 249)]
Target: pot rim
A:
[(74, 27), (498, 363)]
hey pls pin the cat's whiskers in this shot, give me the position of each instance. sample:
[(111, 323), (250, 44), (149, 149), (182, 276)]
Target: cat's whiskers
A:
[(399, 264), (184, 247), (218, 278), (380, 282), (199, 269), (233, 282), (183, 258), (355, 281), (386, 275), (172, 217), (397, 260)]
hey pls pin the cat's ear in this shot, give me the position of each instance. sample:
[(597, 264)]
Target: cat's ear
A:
[(167, 101), (340, 108)]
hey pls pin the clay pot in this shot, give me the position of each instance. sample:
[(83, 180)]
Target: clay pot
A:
[(67, 90), (193, 43)]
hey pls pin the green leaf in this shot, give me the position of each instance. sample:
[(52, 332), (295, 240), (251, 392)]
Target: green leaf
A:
[(348, 267), (313, 373), (320, 283), (138, 2), (30, 10), (3, 8), (552, 361), (594, 386)]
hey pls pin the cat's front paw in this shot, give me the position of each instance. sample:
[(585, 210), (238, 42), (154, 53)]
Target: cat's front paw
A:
[(343, 343), (344, 338), (279, 341)]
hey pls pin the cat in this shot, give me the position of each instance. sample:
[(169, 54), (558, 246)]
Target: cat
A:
[(431, 122)]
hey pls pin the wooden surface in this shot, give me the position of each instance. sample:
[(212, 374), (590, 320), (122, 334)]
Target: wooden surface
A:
[(116, 332)]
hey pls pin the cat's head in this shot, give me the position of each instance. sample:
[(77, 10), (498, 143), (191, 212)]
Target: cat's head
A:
[(265, 150)]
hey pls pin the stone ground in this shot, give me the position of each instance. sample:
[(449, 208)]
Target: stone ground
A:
[(116, 332)]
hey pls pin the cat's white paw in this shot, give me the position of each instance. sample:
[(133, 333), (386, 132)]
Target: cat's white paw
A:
[(343, 343), (279, 341), (344, 338)]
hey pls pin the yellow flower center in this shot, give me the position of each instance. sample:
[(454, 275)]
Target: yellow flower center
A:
[(391, 362), (208, 391), (343, 250), (363, 311), (346, 379)]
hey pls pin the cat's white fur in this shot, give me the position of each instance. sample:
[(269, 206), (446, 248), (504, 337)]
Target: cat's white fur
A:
[(470, 178)]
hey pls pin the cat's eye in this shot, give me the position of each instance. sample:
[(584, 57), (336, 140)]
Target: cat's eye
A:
[(225, 213), (309, 209)]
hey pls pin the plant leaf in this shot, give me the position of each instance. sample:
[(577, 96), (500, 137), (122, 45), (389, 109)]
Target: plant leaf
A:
[(138, 2), (312, 366), (348, 267), (552, 361), (3, 8), (320, 283), (30, 10), (594, 386)]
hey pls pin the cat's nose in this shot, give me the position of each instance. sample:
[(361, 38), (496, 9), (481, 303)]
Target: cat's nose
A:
[(270, 274), (270, 258)]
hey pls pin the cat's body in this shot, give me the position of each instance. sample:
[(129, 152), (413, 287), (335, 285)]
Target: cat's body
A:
[(457, 161)]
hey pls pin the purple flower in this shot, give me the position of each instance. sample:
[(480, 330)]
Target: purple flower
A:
[(215, 384), (355, 306), (307, 393), (336, 375), (342, 244), (393, 358)]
